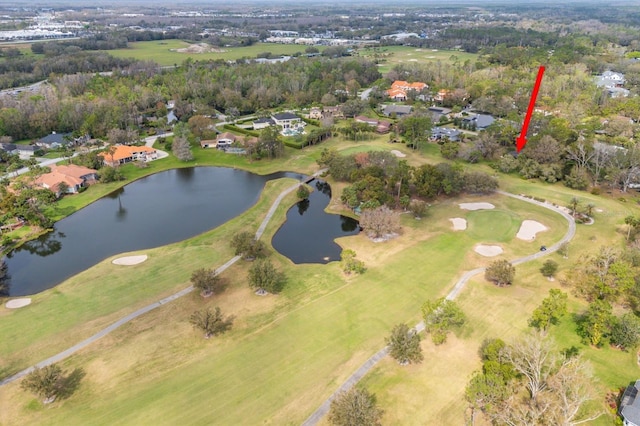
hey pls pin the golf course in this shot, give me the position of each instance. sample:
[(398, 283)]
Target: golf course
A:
[(287, 353)]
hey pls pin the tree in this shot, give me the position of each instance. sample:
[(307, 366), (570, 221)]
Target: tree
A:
[(418, 208), (302, 192), (45, 382), (206, 280), (415, 129), (181, 148), (244, 243), (550, 310), (573, 204), (625, 331), (379, 222), (594, 324), (404, 345), (534, 358), (110, 174), (440, 316), (563, 250), (264, 277), (549, 268), (355, 407), (349, 263), (211, 322), (501, 272), (269, 143), (479, 183), (63, 187)]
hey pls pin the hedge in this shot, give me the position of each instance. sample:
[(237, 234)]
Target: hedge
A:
[(240, 130)]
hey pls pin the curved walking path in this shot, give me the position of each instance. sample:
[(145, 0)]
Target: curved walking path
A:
[(75, 348), (455, 291)]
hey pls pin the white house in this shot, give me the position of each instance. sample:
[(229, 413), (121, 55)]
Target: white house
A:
[(286, 120)]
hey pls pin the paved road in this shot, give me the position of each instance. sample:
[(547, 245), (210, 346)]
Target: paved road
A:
[(75, 348), (457, 288)]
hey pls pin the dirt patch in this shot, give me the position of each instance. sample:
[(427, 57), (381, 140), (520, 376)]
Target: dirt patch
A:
[(129, 260), (476, 206), (488, 251), (199, 48), (18, 303), (398, 153), (459, 224), (529, 229)]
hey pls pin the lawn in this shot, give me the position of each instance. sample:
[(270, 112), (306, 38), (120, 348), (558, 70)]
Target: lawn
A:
[(287, 353), (164, 52), (390, 56)]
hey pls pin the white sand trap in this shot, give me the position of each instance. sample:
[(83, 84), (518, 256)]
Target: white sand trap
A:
[(476, 206), (431, 57), (130, 260), (459, 224), (413, 60), (488, 251), (529, 229), (18, 303), (398, 153)]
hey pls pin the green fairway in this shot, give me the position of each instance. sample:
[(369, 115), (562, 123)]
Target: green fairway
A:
[(493, 225), (389, 56), (287, 353), (166, 52)]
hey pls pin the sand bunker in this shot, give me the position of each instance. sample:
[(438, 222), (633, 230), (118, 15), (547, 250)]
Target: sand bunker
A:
[(413, 60), (199, 48), (398, 153), (18, 303), (459, 224), (529, 229), (488, 251), (476, 206), (129, 260)]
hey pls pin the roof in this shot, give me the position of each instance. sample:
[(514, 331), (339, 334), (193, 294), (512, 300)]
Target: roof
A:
[(482, 121), (59, 138), (208, 142), (398, 109), (401, 84), (445, 132), (630, 404), (8, 147), (285, 116), (72, 170), (363, 119), (52, 180), (125, 151), (394, 93), (226, 136), (30, 148)]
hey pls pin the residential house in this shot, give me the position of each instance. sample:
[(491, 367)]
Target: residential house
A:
[(437, 113), (262, 123), (630, 405), (332, 112), (286, 120), (54, 140), (225, 140), (208, 143), (74, 177), (478, 121), (439, 133), (441, 95), (400, 89), (396, 110), (26, 151), (363, 119), (9, 148), (121, 154), (315, 113), (613, 83), (383, 127)]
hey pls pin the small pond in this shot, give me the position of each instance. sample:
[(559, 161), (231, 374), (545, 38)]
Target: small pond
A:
[(309, 232)]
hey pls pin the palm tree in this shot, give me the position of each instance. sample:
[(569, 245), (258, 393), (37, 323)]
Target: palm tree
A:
[(574, 205)]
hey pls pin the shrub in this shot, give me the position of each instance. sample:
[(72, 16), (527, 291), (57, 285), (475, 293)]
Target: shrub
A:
[(500, 272)]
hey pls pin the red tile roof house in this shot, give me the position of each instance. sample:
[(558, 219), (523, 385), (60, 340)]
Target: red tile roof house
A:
[(399, 89), (121, 154), (225, 140), (75, 177)]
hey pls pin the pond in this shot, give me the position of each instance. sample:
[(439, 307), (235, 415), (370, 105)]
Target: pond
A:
[(167, 207), (159, 209), (309, 232)]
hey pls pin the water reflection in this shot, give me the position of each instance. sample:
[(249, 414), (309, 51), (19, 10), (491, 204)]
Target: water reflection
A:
[(308, 236)]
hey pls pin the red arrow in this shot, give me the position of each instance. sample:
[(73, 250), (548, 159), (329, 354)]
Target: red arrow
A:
[(521, 141)]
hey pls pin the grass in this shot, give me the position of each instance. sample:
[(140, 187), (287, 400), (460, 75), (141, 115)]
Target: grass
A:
[(390, 56), (287, 353), (164, 52)]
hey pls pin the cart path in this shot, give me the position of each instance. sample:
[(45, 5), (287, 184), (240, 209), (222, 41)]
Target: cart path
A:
[(75, 348), (455, 291)]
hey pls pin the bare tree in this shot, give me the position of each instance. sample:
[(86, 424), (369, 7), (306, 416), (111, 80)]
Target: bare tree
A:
[(380, 222), (532, 356)]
